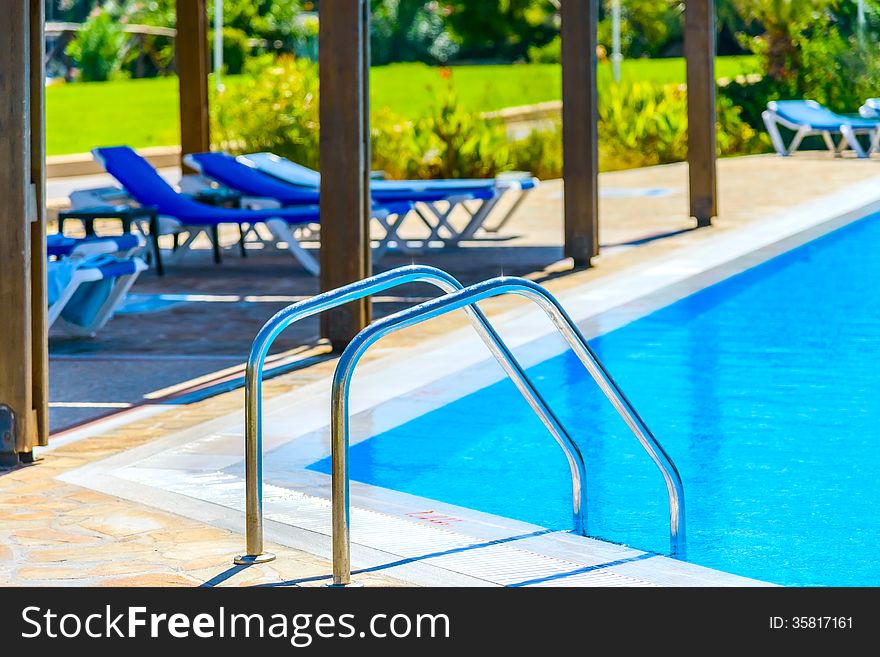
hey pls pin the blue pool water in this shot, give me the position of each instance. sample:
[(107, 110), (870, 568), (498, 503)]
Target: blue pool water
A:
[(763, 389)]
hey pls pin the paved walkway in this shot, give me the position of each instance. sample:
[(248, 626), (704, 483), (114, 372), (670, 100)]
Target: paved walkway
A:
[(53, 532)]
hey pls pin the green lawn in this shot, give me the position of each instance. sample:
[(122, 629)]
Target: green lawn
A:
[(144, 112)]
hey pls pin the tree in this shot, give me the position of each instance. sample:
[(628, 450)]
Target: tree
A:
[(648, 27), (408, 31), (500, 29), (782, 21)]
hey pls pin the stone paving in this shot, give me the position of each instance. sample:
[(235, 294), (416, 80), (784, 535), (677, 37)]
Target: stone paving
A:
[(56, 533)]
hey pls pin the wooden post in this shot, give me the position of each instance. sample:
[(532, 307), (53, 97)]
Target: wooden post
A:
[(191, 58), (39, 302), (345, 160), (18, 421), (580, 130), (699, 50)]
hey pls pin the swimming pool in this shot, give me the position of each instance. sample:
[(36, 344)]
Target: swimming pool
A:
[(762, 388)]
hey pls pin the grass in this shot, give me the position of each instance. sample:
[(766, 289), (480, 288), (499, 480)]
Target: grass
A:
[(143, 113)]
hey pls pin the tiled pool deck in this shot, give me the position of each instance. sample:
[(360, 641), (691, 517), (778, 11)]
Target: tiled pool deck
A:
[(57, 529)]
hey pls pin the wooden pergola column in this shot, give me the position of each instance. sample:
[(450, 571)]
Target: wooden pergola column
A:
[(192, 63), (699, 51), (344, 60), (580, 138), (23, 361)]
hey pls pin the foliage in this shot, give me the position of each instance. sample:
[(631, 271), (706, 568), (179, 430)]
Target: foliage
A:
[(274, 108), (458, 143), (640, 124), (549, 53), (643, 124), (648, 28), (409, 31), (448, 142), (808, 49), (98, 48), (782, 22), (835, 70), (275, 21), (539, 152), (236, 49), (500, 29), (103, 51)]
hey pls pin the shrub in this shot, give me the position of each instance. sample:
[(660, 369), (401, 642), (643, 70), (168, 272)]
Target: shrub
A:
[(459, 144), (449, 142), (736, 135), (641, 124), (540, 152), (396, 149), (808, 49), (549, 53), (98, 47), (235, 49), (837, 71), (273, 108)]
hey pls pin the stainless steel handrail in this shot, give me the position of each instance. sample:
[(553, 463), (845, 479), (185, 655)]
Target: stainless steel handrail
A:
[(463, 299), (318, 304)]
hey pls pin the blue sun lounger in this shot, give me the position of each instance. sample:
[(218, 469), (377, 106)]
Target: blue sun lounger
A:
[(258, 187), (807, 117), (85, 291), (184, 214), (435, 200)]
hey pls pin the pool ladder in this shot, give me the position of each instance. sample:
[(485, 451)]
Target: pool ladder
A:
[(456, 297)]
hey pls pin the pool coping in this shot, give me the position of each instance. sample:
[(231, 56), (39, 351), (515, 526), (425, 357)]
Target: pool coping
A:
[(175, 472)]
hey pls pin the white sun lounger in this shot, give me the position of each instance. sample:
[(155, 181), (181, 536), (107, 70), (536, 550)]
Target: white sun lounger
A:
[(86, 291), (807, 117)]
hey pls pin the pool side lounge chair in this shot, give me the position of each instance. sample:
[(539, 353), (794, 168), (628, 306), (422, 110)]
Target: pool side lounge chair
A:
[(59, 246), (144, 184), (436, 200), (260, 190), (86, 291), (807, 117)]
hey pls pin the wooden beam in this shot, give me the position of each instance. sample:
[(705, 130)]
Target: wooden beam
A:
[(16, 213), (345, 160), (580, 130), (39, 302), (699, 50), (191, 59)]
